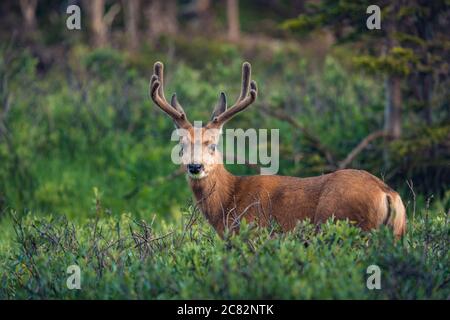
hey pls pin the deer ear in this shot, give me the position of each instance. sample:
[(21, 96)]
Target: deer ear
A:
[(221, 106)]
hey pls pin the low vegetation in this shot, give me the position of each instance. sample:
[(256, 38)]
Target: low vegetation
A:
[(126, 258)]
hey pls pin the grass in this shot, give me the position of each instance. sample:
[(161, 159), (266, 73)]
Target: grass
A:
[(126, 258)]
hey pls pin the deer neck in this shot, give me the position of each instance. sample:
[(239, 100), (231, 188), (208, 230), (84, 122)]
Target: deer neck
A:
[(214, 194)]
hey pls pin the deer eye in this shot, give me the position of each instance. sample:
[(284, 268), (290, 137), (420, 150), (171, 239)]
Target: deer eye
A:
[(212, 147)]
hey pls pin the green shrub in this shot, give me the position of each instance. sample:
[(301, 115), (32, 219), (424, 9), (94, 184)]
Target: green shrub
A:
[(126, 258)]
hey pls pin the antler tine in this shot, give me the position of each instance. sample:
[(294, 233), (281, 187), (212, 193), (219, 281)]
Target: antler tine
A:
[(245, 98), (174, 110), (158, 70), (246, 75), (174, 103)]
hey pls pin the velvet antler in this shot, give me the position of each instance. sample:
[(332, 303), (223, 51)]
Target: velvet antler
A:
[(174, 109), (248, 95)]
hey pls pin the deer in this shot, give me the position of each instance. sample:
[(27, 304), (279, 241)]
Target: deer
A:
[(225, 199)]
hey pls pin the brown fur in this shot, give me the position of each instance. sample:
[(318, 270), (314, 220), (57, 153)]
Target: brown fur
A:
[(345, 194)]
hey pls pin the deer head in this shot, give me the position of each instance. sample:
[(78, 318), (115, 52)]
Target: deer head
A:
[(198, 146)]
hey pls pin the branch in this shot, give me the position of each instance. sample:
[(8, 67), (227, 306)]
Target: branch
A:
[(109, 17), (318, 144), (306, 132), (360, 147)]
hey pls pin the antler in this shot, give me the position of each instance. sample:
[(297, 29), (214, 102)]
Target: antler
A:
[(221, 114), (174, 109)]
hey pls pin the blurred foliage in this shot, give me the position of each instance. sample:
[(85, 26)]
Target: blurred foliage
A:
[(92, 128), (88, 123)]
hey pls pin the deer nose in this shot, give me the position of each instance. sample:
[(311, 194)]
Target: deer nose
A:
[(194, 168)]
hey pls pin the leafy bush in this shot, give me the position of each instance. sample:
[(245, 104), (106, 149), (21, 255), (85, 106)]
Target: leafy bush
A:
[(126, 258)]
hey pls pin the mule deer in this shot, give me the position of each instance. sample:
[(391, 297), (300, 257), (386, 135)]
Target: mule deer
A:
[(225, 199)]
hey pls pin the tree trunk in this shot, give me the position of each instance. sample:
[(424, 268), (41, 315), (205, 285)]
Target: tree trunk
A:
[(98, 25), (205, 16), (233, 20), (132, 23), (162, 18), (28, 8), (393, 118), (427, 89), (171, 16)]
